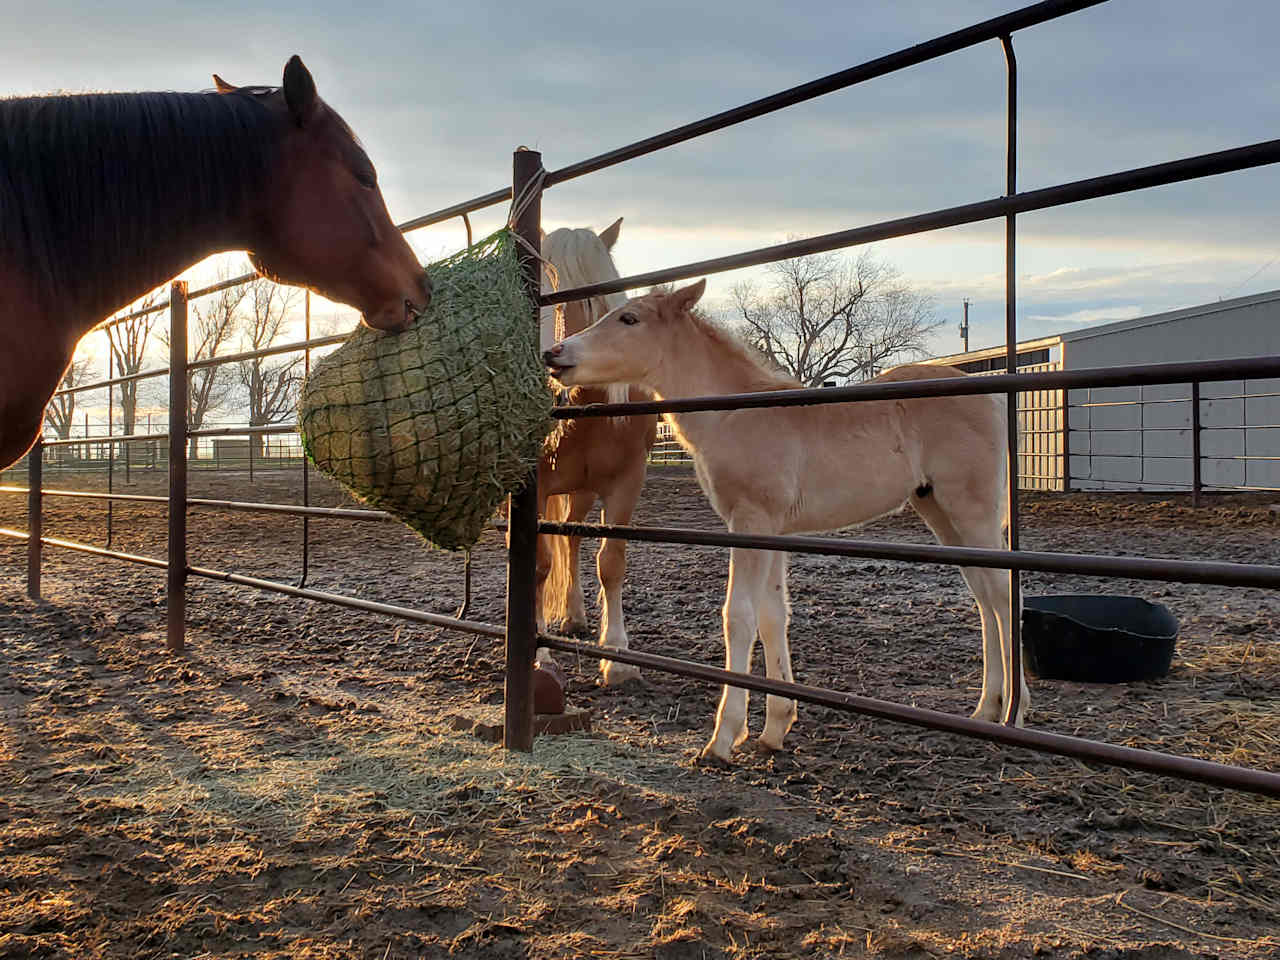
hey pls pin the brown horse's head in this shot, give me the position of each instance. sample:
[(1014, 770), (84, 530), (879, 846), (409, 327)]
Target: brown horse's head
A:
[(322, 222)]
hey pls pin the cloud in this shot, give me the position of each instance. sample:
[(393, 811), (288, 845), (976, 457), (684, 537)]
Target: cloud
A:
[(1089, 317)]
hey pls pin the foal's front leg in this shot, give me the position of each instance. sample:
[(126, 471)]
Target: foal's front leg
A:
[(748, 570)]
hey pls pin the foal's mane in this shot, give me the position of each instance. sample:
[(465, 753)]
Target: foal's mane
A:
[(762, 373), (88, 180)]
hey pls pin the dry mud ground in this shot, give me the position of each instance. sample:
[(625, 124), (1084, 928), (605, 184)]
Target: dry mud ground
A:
[(293, 786)]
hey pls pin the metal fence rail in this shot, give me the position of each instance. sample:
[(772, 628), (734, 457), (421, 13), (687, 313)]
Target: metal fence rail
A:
[(520, 630)]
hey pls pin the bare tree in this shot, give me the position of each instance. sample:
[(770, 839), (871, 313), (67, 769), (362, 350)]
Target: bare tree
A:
[(825, 317), (215, 323), (128, 340), (60, 413), (271, 383)]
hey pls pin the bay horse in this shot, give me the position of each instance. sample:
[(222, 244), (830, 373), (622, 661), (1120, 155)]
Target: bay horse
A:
[(104, 196), (806, 470), (588, 459)]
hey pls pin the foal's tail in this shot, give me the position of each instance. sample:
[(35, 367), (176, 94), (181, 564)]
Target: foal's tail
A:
[(555, 591)]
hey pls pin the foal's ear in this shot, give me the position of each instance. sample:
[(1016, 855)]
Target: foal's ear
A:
[(684, 298), (222, 86), (610, 235), (299, 91)]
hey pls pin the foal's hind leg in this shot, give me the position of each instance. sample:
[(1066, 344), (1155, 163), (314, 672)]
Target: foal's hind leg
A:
[(611, 565), (775, 611), (974, 524)]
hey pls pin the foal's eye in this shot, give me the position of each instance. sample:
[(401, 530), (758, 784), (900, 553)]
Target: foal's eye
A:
[(630, 319)]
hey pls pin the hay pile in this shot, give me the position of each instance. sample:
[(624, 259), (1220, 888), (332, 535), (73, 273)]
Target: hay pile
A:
[(439, 423)]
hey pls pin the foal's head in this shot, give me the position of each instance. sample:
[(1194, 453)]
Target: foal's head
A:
[(628, 343), (322, 222)]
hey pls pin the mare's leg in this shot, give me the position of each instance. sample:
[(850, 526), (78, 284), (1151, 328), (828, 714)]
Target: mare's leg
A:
[(748, 571), (775, 612), (611, 565), (542, 567), (575, 621), (964, 521)]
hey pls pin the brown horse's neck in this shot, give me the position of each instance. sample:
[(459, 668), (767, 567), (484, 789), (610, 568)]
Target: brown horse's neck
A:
[(112, 194)]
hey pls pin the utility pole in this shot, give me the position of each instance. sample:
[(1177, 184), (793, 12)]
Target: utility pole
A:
[(964, 327)]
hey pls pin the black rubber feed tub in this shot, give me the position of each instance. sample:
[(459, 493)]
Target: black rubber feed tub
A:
[(1097, 638)]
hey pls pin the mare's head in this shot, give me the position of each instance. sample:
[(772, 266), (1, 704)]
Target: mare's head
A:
[(630, 342), (322, 222), (579, 257)]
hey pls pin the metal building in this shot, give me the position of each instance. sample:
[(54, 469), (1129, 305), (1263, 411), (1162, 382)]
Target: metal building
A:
[(1142, 438)]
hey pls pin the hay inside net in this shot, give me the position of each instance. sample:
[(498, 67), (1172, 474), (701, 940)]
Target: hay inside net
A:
[(439, 423)]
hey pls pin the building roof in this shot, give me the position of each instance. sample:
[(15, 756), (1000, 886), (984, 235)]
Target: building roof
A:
[(1104, 329)]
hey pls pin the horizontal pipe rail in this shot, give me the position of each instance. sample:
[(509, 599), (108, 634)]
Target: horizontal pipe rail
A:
[(89, 494), (352, 603), (1188, 768), (331, 513), (297, 347), (1126, 181), (1215, 572), (117, 438), (87, 548), (263, 431), (910, 56), (1132, 374), (114, 381), (457, 210)]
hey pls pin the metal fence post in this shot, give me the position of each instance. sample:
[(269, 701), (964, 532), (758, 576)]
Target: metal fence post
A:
[(111, 447), (35, 515), (1013, 682), (1066, 440), (522, 628), (177, 578), (1195, 443)]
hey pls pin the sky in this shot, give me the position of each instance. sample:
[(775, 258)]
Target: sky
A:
[(441, 94)]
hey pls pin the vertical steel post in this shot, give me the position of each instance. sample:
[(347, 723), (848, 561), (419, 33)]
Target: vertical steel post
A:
[(1195, 444), (1014, 667), (1066, 440), (306, 472), (111, 447), (35, 515), (522, 629), (177, 579)]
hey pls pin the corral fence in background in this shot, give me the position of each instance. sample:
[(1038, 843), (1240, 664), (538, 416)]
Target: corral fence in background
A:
[(520, 631)]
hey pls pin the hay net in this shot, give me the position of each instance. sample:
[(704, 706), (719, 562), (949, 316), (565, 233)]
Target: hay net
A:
[(439, 423)]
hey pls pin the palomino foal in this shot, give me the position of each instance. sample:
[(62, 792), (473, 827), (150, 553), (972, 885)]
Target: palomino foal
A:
[(807, 470)]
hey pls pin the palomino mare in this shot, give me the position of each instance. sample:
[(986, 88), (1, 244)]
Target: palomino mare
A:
[(105, 196), (587, 459), (808, 469)]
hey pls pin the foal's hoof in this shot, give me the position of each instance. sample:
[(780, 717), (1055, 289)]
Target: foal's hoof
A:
[(765, 749), (616, 674), (707, 759)]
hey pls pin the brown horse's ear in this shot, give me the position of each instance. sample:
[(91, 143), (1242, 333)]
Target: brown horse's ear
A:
[(299, 91), (610, 235), (684, 298), (222, 86)]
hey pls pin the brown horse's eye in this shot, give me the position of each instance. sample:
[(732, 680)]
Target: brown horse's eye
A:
[(630, 319), (366, 179)]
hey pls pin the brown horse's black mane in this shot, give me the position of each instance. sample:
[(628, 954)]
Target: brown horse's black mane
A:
[(89, 181)]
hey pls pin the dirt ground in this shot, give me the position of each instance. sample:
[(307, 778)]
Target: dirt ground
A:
[(294, 786)]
